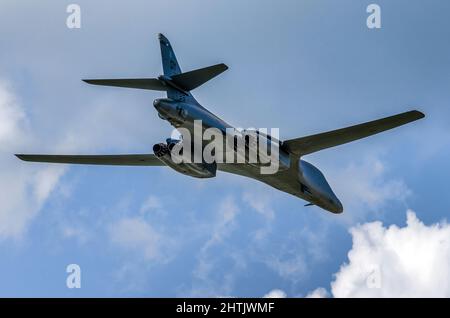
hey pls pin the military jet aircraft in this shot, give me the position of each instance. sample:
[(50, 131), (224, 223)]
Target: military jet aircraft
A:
[(294, 176)]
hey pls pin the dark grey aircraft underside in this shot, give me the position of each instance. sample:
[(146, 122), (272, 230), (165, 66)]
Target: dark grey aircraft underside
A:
[(180, 109)]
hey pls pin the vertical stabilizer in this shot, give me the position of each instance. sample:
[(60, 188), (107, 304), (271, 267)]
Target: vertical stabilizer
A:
[(169, 60), (177, 84), (172, 68)]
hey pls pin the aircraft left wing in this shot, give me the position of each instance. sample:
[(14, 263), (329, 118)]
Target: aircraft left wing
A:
[(115, 160), (306, 145), (142, 83)]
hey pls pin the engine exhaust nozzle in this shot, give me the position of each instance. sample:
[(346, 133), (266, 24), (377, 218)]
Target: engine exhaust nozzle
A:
[(160, 150)]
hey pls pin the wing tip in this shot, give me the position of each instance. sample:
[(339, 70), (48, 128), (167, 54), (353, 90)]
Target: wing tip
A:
[(21, 157), (101, 82), (224, 66), (418, 114), (89, 81)]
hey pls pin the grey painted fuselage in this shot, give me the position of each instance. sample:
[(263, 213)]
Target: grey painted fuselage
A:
[(300, 179)]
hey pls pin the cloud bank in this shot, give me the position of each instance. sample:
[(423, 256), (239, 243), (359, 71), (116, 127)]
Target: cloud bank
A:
[(409, 261), (275, 293), (25, 188)]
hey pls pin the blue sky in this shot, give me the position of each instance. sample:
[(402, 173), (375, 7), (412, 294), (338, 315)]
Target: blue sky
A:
[(302, 66)]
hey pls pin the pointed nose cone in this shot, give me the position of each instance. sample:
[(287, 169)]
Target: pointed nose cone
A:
[(339, 207), (335, 205)]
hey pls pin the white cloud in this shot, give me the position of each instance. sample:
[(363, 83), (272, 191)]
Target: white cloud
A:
[(138, 235), (227, 212), (275, 293), (410, 261), (260, 203), (209, 283), (79, 232), (12, 117), (318, 293), (365, 186), (289, 266), (153, 203), (24, 188), (294, 252)]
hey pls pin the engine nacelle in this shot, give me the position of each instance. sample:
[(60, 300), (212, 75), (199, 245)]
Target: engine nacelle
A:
[(197, 170)]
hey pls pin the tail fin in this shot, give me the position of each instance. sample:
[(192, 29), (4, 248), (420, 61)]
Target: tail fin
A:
[(177, 85), (169, 60)]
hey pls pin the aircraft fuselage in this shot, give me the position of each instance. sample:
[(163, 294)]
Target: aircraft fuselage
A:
[(295, 176)]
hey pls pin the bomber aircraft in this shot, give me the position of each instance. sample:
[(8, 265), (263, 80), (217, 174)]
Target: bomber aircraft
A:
[(294, 175)]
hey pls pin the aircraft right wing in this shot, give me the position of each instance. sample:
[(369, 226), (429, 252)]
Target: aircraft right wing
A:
[(115, 160), (306, 145)]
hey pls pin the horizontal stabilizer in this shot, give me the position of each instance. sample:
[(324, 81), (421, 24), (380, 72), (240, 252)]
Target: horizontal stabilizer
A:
[(193, 79), (184, 82), (142, 83), (115, 160), (306, 145)]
